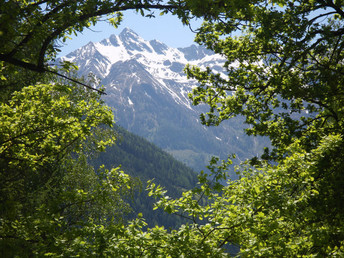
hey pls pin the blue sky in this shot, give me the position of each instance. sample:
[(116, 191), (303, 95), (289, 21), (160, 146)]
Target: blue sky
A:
[(167, 29)]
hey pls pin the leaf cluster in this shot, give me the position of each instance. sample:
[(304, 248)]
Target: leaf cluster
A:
[(283, 73), (50, 196), (271, 211)]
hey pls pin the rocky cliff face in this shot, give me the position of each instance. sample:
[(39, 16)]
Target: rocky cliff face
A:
[(147, 88)]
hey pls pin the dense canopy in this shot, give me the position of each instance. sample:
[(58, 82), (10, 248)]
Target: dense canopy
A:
[(284, 75)]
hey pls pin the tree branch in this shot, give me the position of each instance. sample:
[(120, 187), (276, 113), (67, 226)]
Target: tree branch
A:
[(38, 65), (42, 69), (78, 82), (91, 14)]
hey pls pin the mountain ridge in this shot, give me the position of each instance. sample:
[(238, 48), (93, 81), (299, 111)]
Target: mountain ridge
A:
[(148, 90), (161, 61)]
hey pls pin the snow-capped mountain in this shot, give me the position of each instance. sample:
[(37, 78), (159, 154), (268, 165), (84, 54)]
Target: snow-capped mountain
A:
[(146, 86), (163, 63)]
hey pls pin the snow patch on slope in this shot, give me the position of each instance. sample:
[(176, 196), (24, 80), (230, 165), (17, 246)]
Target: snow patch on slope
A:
[(163, 63)]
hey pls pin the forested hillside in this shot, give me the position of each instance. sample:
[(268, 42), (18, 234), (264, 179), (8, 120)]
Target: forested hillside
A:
[(142, 159)]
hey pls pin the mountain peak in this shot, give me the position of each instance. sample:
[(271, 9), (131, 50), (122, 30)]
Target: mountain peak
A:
[(128, 33), (194, 52), (148, 90)]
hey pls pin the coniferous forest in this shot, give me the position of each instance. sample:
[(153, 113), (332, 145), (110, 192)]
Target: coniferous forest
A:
[(144, 161)]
